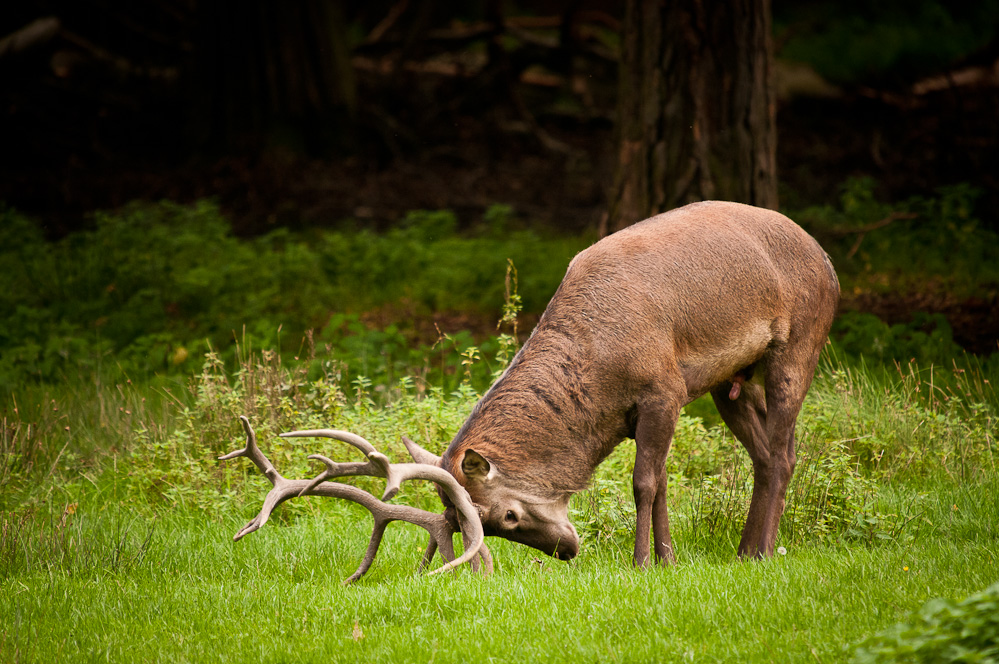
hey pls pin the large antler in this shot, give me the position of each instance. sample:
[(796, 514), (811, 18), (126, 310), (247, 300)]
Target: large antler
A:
[(383, 513)]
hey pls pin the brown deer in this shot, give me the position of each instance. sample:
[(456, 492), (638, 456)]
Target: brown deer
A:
[(712, 297)]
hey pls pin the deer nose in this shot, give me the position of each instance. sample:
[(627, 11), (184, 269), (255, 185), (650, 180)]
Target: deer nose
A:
[(568, 544), (566, 550)]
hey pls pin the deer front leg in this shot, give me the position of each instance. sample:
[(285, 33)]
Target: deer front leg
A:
[(653, 437), (661, 539)]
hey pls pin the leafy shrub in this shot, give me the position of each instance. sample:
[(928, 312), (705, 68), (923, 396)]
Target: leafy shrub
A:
[(942, 631), (831, 497), (883, 42), (152, 286), (926, 338), (179, 464), (923, 244)]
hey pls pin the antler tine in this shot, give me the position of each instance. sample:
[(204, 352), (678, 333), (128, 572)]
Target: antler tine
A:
[(382, 513), (378, 464), (345, 436), (252, 452), (467, 512), (485, 559), (483, 562), (421, 455), (276, 496)]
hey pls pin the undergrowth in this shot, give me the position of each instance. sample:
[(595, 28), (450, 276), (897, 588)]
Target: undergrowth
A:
[(152, 287), (942, 631), (868, 450), (923, 245)]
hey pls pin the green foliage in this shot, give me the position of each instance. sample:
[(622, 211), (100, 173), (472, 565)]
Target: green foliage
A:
[(920, 245), (179, 466), (942, 631), (927, 338), (507, 342), (886, 42), (111, 495), (105, 479), (153, 286), (382, 357), (424, 262), (914, 423)]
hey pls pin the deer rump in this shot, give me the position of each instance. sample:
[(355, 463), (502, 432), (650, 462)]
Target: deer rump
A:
[(714, 297)]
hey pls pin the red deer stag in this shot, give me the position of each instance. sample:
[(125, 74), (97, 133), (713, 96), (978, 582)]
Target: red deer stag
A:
[(712, 297)]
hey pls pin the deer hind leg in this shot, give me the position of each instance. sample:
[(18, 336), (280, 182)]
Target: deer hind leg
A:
[(763, 419), (746, 416), (653, 436)]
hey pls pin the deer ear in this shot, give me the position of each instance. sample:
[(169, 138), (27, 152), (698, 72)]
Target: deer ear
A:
[(475, 466)]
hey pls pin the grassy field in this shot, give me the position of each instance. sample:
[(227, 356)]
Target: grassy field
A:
[(121, 380), (193, 596), (115, 542)]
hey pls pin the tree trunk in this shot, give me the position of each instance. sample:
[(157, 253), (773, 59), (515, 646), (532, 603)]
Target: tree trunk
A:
[(696, 107)]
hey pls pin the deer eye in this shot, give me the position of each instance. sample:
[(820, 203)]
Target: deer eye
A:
[(510, 517)]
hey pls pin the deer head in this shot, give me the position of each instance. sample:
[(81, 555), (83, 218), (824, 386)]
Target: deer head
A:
[(509, 509), (519, 514)]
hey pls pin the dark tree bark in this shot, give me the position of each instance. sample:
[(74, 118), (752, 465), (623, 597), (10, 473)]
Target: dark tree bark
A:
[(696, 107)]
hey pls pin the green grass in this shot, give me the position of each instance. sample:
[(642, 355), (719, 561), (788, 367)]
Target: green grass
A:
[(195, 596), (115, 535)]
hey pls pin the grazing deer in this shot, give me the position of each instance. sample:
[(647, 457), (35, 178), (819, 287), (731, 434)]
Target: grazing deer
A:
[(712, 297)]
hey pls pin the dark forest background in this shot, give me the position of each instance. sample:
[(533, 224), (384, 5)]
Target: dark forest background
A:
[(342, 114), (309, 112)]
